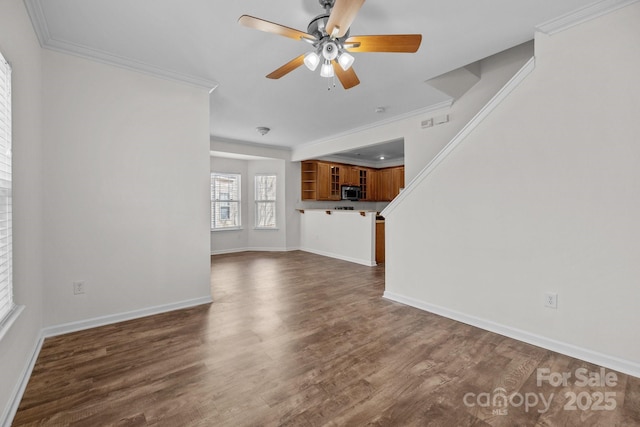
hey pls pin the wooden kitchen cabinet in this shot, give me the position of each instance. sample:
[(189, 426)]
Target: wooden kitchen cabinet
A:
[(351, 175), (384, 180), (323, 180), (365, 181), (380, 242), (390, 181), (372, 185), (397, 180), (309, 180), (363, 178), (328, 181), (335, 182)]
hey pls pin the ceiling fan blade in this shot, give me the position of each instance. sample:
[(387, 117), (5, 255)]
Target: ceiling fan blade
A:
[(287, 68), (342, 15), (407, 43), (271, 27), (347, 78)]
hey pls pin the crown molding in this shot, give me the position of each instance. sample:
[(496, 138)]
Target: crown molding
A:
[(36, 14), (363, 163), (581, 15), (435, 107), (39, 22), (213, 139)]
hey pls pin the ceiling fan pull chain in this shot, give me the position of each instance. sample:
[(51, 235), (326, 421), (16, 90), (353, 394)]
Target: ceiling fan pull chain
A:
[(329, 80)]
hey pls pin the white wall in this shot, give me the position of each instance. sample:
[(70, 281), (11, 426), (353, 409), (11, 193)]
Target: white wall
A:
[(344, 235), (542, 196), (292, 197), (126, 190), (20, 47)]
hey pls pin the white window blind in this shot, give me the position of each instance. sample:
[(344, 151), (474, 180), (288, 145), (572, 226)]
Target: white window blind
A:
[(6, 265), (225, 201), (265, 199)]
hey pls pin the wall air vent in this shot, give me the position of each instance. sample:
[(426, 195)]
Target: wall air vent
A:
[(440, 120), (434, 121), (427, 123)]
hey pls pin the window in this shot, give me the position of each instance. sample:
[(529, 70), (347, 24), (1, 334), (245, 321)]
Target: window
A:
[(265, 201), (6, 262), (225, 201)]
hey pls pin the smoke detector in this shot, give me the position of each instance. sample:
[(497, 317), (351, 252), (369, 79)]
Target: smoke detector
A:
[(263, 130)]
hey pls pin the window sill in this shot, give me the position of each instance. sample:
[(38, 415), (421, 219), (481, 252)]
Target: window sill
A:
[(215, 230), (10, 319), (266, 228)]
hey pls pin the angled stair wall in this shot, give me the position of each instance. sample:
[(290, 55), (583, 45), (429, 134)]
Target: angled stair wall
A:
[(540, 196)]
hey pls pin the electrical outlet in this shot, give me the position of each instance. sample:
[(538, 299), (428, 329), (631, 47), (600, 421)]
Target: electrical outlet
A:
[(551, 300), (78, 288)]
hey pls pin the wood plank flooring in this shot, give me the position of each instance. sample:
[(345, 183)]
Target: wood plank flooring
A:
[(297, 339)]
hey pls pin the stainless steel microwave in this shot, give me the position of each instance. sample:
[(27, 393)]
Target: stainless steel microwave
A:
[(350, 192)]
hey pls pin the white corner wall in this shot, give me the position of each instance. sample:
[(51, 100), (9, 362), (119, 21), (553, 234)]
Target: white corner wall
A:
[(20, 47), (126, 191), (541, 197)]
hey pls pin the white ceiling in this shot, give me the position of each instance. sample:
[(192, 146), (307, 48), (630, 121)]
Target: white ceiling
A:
[(200, 41)]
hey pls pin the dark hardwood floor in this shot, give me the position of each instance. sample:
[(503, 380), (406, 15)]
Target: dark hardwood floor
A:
[(298, 339)]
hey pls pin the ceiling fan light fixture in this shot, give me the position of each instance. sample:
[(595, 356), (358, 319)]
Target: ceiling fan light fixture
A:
[(311, 60), (330, 51), (345, 60), (326, 70)]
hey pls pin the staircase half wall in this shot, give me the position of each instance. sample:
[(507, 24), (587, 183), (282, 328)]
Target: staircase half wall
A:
[(541, 195)]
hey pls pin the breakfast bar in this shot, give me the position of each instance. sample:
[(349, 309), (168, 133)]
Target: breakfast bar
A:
[(349, 235)]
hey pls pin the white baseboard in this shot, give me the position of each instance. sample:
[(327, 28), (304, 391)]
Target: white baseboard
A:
[(253, 249), (625, 366), (18, 391), (228, 251), (266, 249), (368, 263), (66, 328)]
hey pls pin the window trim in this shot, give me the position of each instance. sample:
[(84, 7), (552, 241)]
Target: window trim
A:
[(257, 201), (11, 311), (10, 319), (238, 201)]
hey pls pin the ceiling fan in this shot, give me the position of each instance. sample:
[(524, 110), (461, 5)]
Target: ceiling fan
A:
[(328, 33)]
